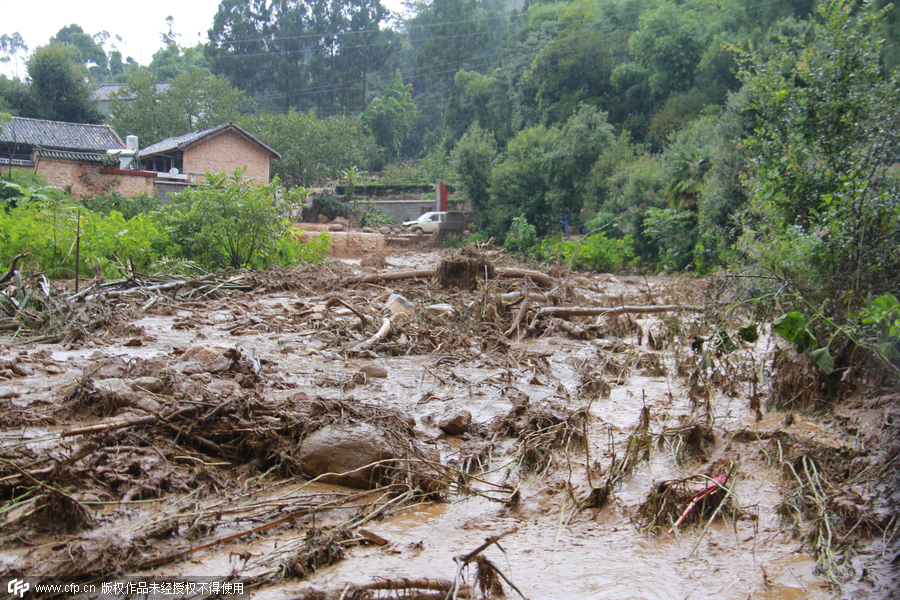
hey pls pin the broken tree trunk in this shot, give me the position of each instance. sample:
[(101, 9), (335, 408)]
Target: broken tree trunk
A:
[(392, 276)]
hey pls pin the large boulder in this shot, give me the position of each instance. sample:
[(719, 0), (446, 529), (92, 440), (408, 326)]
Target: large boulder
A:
[(345, 448)]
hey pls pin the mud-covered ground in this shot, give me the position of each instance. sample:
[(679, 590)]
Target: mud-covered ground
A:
[(211, 431)]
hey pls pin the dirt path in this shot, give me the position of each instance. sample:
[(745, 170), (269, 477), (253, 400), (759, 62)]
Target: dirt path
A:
[(171, 445)]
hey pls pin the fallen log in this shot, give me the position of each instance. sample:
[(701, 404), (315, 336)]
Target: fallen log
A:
[(588, 311), (542, 279), (424, 273), (148, 288)]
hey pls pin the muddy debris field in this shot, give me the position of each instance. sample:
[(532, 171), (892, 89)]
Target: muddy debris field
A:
[(434, 425)]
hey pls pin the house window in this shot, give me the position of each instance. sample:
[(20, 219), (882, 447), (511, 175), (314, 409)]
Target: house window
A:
[(163, 163)]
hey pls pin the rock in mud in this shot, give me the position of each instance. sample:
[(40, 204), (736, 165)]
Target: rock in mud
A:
[(111, 368), (373, 371), (456, 422), (345, 448), (337, 227), (372, 260), (154, 385), (398, 305)]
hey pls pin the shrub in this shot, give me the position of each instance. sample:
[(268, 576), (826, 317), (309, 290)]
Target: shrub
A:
[(374, 216), (598, 253), (294, 248), (129, 207), (521, 237), (49, 229), (674, 234), (228, 222)]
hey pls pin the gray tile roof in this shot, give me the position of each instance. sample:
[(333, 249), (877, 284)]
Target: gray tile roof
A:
[(60, 135), (105, 91), (97, 157), (16, 162), (183, 141)]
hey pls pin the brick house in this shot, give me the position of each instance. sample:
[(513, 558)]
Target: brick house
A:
[(72, 156), (222, 148)]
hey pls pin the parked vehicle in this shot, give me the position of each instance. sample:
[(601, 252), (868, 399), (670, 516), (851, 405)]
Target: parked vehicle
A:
[(427, 223)]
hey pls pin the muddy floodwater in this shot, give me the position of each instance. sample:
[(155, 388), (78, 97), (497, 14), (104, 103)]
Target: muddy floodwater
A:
[(175, 440)]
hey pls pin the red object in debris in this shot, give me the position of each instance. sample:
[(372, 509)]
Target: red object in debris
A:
[(699, 496), (442, 194)]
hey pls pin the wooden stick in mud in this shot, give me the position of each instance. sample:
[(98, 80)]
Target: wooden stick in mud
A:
[(518, 320), (437, 585), (289, 517), (589, 311), (424, 273), (119, 424), (369, 343), (467, 558), (542, 279)]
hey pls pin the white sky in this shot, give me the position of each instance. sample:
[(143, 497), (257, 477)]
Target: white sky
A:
[(138, 24)]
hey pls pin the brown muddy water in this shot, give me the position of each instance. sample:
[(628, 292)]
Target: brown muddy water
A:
[(158, 503)]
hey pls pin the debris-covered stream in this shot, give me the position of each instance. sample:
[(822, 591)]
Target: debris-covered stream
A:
[(436, 426)]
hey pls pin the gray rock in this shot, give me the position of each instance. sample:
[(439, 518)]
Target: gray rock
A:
[(374, 371), (154, 385), (341, 449), (456, 422)]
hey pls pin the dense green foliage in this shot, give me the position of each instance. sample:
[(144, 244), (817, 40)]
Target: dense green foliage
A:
[(48, 229), (227, 222), (312, 149), (193, 101)]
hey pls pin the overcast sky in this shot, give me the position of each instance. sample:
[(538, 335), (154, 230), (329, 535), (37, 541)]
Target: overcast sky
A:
[(138, 24)]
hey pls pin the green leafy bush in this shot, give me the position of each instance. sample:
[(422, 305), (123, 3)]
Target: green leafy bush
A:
[(49, 230), (228, 222), (521, 237), (294, 248), (598, 253), (374, 216), (128, 206), (674, 234)]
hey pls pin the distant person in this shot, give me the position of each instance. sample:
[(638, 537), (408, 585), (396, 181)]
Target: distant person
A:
[(564, 221)]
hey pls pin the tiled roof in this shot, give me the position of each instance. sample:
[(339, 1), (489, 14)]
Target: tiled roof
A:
[(16, 162), (184, 141), (105, 91), (97, 157), (60, 135)]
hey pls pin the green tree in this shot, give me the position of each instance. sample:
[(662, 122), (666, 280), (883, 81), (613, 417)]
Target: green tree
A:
[(227, 222), (311, 149), (193, 101), (472, 160), (59, 89), (300, 53), (89, 50), (390, 117), (10, 46), (821, 161), (545, 170)]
